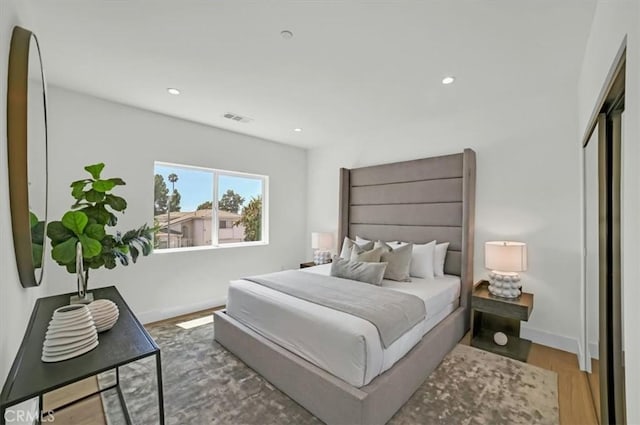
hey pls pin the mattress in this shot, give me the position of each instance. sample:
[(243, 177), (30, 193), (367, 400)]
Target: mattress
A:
[(344, 345)]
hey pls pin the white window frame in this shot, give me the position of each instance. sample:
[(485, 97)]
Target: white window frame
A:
[(215, 220)]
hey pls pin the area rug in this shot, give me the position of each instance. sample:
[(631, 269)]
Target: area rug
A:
[(206, 384)]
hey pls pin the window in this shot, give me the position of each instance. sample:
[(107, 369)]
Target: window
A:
[(200, 207)]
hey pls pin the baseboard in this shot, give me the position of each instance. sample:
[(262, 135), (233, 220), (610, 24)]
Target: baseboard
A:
[(581, 356), (167, 313), (559, 342), (593, 350)]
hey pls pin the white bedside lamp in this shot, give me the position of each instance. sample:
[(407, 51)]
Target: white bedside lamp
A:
[(322, 242), (505, 259)]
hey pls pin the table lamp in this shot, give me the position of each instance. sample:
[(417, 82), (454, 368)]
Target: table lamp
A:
[(505, 259), (322, 243)]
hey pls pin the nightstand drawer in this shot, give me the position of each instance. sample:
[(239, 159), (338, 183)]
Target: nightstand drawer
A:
[(483, 301)]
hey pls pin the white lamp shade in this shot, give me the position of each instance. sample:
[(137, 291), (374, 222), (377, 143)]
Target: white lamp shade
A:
[(505, 256), (322, 241)]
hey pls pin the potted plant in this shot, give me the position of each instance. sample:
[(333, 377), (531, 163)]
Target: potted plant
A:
[(84, 229)]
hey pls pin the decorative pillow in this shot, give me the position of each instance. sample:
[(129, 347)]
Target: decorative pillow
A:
[(384, 246), (396, 244), (348, 244), (399, 260), (439, 257), (361, 241), (372, 256), (422, 260), (372, 273)]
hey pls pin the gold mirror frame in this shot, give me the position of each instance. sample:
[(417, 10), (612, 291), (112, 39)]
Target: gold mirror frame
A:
[(22, 40)]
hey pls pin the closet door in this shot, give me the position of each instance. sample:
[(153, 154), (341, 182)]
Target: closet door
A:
[(591, 265)]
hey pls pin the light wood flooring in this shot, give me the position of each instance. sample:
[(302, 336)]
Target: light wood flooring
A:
[(576, 406)]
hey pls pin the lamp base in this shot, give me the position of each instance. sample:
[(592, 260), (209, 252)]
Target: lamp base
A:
[(322, 257), (505, 284), (75, 299)]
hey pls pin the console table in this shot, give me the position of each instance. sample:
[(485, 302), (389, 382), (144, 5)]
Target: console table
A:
[(126, 342)]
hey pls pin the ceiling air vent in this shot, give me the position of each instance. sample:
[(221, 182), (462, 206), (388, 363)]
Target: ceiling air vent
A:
[(236, 117)]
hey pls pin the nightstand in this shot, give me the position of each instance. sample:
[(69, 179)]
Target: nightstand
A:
[(491, 314), (309, 264)]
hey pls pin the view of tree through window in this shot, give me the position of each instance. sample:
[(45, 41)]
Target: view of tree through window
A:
[(203, 207)]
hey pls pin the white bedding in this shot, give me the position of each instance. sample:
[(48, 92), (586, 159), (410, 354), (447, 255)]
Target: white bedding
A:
[(344, 345)]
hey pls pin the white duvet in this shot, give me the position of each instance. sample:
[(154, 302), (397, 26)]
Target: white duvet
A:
[(344, 345)]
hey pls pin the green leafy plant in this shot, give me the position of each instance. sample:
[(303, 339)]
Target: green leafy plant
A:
[(37, 239), (252, 220), (94, 210)]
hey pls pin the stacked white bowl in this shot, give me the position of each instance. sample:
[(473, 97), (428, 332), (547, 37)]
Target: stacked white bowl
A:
[(105, 314), (71, 332)]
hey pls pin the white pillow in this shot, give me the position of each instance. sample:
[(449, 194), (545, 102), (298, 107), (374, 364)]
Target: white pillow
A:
[(422, 260), (440, 255), (348, 244), (361, 241)]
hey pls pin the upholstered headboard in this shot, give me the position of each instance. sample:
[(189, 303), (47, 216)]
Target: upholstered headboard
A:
[(415, 201)]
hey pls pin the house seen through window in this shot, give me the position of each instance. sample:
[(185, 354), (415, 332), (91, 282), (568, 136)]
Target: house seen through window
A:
[(195, 207)]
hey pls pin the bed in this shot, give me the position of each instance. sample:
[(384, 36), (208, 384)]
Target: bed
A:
[(329, 362)]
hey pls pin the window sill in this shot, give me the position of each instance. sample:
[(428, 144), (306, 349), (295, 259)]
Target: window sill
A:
[(209, 247)]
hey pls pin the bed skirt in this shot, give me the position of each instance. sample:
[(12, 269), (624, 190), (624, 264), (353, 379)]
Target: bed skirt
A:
[(329, 398)]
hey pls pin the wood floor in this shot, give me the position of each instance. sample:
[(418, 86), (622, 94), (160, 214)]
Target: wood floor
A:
[(576, 406)]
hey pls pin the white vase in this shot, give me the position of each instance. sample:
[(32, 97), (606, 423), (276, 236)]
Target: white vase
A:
[(71, 332), (105, 314)]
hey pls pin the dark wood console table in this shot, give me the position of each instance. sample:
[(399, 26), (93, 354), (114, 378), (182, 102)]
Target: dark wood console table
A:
[(126, 342)]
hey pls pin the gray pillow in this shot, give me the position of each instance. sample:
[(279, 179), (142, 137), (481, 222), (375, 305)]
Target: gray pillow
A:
[(399, 260), (348, 244), (357, 270), (372, 256)]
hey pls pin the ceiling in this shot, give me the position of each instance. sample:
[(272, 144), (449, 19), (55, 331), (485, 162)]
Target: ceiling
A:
[(352, 69)]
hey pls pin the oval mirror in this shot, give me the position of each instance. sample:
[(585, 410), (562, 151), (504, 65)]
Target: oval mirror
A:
[(27, 154)]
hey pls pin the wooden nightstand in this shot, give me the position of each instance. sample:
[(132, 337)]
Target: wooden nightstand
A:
[(491, 314)]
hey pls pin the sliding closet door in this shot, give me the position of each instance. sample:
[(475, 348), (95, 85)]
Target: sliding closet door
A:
[(616, 356), (610, 362), (591, 265)]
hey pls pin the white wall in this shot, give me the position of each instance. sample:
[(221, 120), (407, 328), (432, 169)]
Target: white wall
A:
[(527, 190), (16, 303), (612, 21), (85, 130)]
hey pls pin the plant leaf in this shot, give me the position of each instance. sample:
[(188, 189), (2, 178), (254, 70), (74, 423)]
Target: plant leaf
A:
[(58, 233), (134, 253), (75, 221), (95, 231), (117, 181), (95, 170), (94, 196), (37, 233), (116, 202), (95, 262), (36, 254), (113, 220), (98, 213), (33, 219), (103, 185), (90, 246), (77, 189), (65, 252)]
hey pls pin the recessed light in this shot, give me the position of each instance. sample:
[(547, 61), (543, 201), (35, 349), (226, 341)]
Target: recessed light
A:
[(286, 34), (173, 91), (297, 130), (448, 80)]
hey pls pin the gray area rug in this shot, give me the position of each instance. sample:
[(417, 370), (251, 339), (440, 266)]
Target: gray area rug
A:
[(206, 384)]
